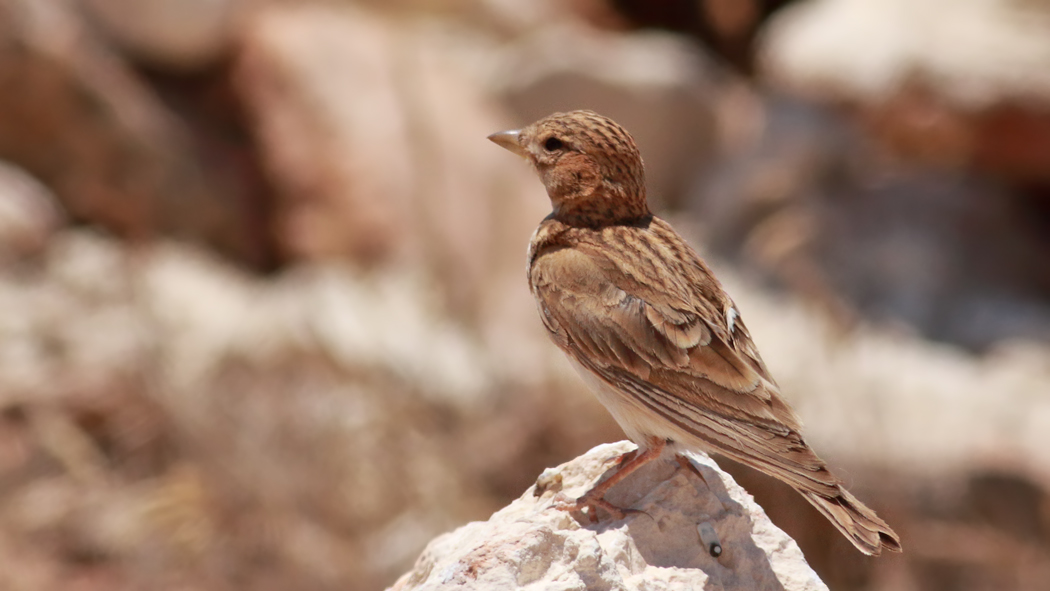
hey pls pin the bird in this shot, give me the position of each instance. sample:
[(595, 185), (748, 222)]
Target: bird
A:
[(647, 325)]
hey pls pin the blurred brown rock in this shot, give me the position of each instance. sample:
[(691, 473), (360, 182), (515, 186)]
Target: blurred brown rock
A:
[(660, 86), (321, 86), (174, 34), (78, 119), (373, 130), (728, 27), (29, 215)]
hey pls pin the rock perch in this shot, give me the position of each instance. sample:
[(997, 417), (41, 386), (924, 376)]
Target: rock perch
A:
[(693, 528)]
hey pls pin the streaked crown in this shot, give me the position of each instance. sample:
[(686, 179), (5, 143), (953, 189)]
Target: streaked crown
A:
[(589, 164)]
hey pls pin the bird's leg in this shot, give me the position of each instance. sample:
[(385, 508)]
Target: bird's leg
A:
[(596, 496)]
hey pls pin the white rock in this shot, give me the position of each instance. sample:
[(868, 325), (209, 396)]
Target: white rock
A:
[(974, 52), (531, 544)]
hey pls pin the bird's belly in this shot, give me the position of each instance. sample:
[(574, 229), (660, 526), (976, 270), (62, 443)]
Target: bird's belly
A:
[(638, 423)]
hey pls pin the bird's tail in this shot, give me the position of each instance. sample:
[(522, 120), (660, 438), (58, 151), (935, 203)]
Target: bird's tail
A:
[(855, 520)]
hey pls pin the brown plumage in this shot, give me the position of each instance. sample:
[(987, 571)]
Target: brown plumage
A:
[(646, 323)]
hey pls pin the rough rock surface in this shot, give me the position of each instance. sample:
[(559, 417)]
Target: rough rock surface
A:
[(531, 544)]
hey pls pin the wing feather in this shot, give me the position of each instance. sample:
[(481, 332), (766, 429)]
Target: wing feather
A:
[(676, 362)]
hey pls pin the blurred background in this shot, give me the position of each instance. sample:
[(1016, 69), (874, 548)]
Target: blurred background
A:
[(264, 317)]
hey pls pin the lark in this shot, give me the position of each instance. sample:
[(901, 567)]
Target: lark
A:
[(644, 321)]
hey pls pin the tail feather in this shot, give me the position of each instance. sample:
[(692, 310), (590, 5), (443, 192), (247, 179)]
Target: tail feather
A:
[(856, 521)]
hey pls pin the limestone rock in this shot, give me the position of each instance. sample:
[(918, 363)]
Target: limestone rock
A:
[(695, 529)]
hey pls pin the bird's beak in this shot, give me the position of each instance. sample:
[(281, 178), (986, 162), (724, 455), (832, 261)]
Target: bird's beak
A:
[(509, 140)]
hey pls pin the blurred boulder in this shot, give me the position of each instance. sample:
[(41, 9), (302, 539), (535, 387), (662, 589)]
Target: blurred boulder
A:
[(691, 527), (502, 18), (29, 215), (727, 27), (75, 117), (805, 198), (659, 86), (180, 35), (954, 82), (373, 131), (159, 409), (944, 224), (320, 84)]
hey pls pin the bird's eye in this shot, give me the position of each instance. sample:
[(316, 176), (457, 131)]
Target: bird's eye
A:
[(552, 144)]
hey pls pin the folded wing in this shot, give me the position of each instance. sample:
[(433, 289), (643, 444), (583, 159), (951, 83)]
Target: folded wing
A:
[(679, 360)]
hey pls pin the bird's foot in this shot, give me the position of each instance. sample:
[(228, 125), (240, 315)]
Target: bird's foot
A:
[(591, 503), (595, 498)]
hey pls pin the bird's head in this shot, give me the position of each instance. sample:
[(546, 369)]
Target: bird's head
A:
[(589, 164)]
